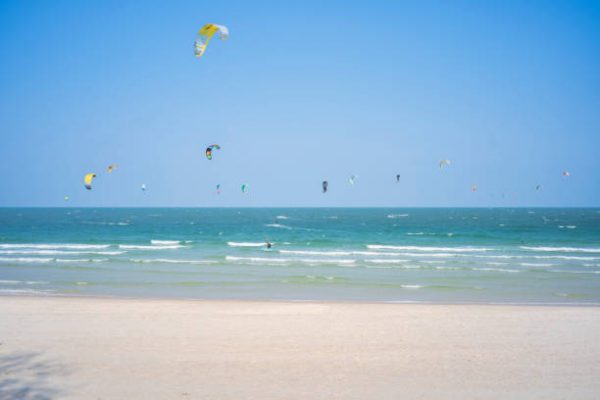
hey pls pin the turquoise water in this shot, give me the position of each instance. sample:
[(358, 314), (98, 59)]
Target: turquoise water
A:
[(433, 255)]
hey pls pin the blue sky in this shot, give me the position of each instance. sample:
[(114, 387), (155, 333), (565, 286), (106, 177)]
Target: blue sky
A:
[(301, 92)]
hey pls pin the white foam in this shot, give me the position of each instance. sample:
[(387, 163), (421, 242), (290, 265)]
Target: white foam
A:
[(563, 249), (387, 261), (281, 217), (289, 260), (245, 244), (318, 253), (536, 264), (170, 261), (394, 216), (11, 282), (411, 286), (25, 260), (338, 253), (152, 247), (574, 272), (24, 291), (496, 270), (427, 248), (581, 258), (47, 246), (548, 257), (259, 260), (280, 226), (165, 242), (59, 252), (80, 260)]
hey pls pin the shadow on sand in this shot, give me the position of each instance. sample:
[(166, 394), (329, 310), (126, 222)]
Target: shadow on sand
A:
[(29, 376)]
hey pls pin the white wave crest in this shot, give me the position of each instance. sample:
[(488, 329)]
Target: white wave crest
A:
[(25, 260), (48, 246), (394, 216), (563, 249), (11, 282), (153, 247), (170, 261), (574, 272), (58, 252), (16, 292), (280, 226), (289, 260), (536, 264), (387, 261), (165, 242), (245, 244), (485, 269), (427, 248)]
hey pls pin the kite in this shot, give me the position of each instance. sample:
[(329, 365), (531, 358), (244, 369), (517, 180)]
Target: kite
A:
[(325, 184), (205, 34), (209, 150), (111, 168), (87, 180), (444, 163)]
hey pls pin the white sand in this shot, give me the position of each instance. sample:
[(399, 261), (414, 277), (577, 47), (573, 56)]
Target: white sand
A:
[(85, 348)]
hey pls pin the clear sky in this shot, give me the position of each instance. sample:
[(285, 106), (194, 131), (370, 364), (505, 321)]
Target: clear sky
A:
[(301, 92)]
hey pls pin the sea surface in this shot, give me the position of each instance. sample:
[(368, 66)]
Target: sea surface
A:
[(447, 255)]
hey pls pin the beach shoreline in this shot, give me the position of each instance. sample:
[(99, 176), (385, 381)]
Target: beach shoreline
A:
[(109, 348)]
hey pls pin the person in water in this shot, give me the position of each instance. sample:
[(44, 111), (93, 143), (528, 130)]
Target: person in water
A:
[(269, 245)]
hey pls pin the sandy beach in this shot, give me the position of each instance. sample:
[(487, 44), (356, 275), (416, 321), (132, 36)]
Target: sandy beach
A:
[(74, 348)]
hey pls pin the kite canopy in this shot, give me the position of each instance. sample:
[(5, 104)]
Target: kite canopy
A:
[(566, 173), (397, 177), (474, 188), (66, 198), (143, 187), (209, 150), (205, 34), (352, 179), (87, 180), (538, 187), (325, 185), (111, 168), (445, 163), (218, 188), (244, 188)]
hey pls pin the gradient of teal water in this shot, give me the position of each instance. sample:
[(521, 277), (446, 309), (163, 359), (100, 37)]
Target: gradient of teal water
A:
[(435, 255)]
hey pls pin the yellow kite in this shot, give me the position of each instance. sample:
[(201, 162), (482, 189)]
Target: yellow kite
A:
[(205, 34), (87, 180)]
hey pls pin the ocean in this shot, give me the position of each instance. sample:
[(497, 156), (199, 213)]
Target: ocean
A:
[(439, 255)]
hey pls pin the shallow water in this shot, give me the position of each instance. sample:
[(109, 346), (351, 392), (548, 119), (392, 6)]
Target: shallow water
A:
[(374, 254)]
